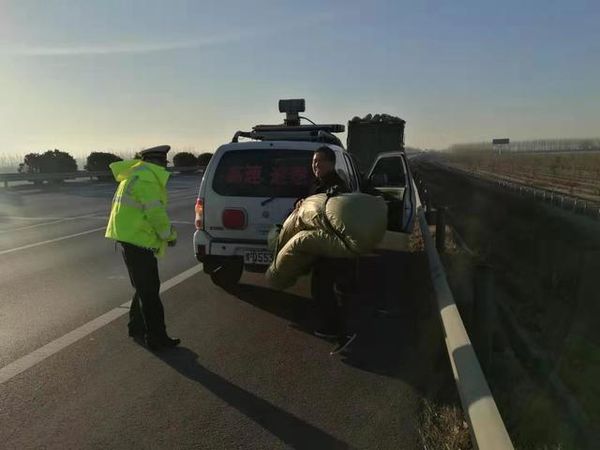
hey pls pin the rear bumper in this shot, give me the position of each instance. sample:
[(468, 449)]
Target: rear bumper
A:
[(206, 247)]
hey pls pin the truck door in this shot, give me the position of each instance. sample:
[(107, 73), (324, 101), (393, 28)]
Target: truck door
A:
[(390, 175), (409, 200)]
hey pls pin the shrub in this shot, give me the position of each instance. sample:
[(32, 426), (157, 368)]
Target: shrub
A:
[(51, 161), (204, 158), (99, 161), (31, 163), (185, 159)]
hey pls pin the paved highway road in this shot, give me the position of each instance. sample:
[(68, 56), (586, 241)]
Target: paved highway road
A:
[(249, 372)]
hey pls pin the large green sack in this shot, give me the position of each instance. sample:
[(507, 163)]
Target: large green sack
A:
[(343, 226)]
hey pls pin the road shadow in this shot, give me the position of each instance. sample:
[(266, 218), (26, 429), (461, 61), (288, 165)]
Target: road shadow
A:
[(290, 429), (384, 311), (300, 311)]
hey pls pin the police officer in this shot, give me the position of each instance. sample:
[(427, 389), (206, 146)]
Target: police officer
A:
[(139, 222)]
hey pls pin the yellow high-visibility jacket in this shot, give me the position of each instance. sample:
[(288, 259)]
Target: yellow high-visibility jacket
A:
[(139, 208)]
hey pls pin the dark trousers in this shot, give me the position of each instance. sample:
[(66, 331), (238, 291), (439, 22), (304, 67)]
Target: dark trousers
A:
[(146, 315), (333, 280)]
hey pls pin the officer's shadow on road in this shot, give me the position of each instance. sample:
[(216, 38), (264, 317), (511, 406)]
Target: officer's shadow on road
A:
[(287, 427)]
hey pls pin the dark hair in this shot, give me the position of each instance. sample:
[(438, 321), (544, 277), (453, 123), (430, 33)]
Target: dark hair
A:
[(327, 152)]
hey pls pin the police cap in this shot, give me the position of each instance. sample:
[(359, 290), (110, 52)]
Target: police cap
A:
[(155, 152)]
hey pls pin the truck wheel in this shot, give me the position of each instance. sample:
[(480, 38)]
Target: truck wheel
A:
[(227, 273), (209, 266)]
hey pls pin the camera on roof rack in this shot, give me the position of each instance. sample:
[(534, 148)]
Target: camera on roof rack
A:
[(296, 105), (291, 130), (291, 108)]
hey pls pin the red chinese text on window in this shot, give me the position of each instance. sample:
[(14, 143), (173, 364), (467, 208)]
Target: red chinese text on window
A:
[(279, 176), (234, 175), (299, 176), (253, 174)]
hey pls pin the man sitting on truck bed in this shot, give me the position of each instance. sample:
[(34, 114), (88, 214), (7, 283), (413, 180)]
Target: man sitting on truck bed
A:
[(323, 167), (332, 278)]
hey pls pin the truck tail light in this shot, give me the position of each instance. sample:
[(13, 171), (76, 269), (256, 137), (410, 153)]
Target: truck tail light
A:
[(234, 219), (199, 209)]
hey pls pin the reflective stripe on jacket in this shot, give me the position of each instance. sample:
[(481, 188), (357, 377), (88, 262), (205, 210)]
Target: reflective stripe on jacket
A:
[(139, 208)]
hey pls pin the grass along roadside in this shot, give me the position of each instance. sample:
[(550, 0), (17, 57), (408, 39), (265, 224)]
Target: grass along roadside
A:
[(575, 174)]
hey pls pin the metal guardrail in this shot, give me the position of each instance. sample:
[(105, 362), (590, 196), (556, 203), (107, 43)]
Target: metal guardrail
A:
[(485, 423), (33, 177), (41, 177)]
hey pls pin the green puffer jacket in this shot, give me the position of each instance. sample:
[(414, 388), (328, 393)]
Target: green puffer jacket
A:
[(344, 226), (139, 209)]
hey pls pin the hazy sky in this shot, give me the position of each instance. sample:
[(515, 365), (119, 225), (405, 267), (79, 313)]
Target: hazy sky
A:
[(119, 75)]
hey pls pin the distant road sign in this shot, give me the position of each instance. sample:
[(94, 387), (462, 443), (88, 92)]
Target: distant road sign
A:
[(501, 141)]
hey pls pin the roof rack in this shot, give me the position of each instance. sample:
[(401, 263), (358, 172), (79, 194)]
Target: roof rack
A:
[(311, 136), (329, 128), (291, 130)]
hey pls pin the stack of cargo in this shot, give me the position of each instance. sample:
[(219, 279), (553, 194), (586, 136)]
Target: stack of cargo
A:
[(378, 118), (344, 226), (374, 134)]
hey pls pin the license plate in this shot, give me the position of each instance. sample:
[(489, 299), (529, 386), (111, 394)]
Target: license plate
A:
[(258, 257)]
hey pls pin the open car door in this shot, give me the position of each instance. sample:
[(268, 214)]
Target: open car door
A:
[(390, 174)]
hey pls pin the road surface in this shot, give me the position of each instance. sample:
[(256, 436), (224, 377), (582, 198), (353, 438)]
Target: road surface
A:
[(249, 372)]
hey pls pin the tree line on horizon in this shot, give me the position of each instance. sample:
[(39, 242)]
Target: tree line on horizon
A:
[(533, 145), (57, 161)]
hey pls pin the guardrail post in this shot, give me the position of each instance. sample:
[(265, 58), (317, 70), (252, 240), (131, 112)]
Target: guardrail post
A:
[(440, 230), (484, 313), (427, 200)]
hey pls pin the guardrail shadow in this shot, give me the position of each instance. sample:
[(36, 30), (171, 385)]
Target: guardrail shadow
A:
[(290, 429)]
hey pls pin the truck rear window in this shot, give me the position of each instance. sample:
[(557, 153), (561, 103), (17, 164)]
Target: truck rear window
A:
[(264, 173)]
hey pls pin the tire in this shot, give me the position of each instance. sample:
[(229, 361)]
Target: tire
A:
[(226, 273), (209, 266)]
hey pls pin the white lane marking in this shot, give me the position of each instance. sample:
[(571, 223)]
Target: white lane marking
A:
[(182, 222), (32, 218), (51, 222), (26, 362), (50, 241)]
